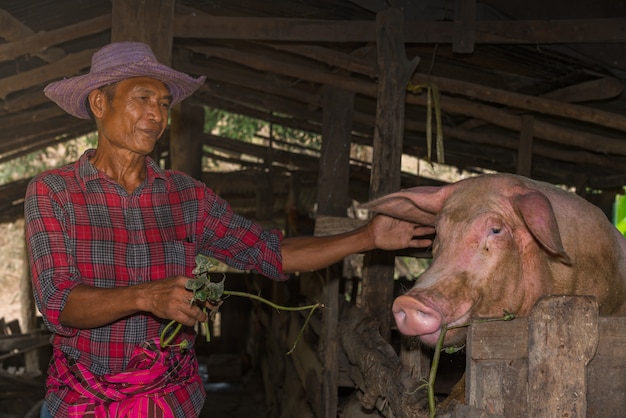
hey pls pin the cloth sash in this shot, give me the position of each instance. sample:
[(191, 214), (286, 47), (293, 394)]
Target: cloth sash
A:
[(140, 391)]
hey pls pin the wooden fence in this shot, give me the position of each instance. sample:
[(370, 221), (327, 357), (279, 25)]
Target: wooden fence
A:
[(561, 361)]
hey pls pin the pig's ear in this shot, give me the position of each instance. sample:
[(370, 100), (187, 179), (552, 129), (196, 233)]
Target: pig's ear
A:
[(418, 204), (536, 211)]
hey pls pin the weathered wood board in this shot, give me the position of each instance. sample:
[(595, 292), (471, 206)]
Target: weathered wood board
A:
[(563, 360)]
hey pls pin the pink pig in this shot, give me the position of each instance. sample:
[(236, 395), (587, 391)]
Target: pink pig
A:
[(501, 242)]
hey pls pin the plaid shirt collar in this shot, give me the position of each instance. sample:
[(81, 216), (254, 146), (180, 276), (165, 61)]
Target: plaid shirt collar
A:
[(87, 172)]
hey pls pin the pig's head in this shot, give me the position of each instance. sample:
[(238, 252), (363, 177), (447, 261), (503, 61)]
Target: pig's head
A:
[(496, 241)]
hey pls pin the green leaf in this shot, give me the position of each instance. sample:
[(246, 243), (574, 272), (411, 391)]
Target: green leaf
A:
[(203, 265), (453, 349), (215, 290)]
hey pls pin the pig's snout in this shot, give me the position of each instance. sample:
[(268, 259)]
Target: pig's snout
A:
[(413, 317)]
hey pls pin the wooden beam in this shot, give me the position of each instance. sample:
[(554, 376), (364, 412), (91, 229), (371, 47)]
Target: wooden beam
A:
[(224, 92), (487, 32), (228, 98), (67, 66), (604, 88), (12, 29), (262, 63), (544, 130), (327, 56), (542, 105), (364, 125), (35, 43), (24, 102)]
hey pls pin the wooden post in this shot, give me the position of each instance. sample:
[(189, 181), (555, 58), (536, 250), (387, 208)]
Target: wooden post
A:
[(393, 74), (186, 132), (145, 21), (525, 149), (385, 384), (265, 188), (464, 26), (333, 200), (562, 339)]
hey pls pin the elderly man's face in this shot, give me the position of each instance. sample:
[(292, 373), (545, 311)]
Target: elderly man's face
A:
[(136, 116)]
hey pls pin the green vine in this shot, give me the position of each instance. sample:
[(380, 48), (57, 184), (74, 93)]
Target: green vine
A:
[(432, 103), (430, 384), (204, 290)]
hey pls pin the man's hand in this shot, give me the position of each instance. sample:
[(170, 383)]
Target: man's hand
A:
[(91, 307), (170, 299), (389, 233)]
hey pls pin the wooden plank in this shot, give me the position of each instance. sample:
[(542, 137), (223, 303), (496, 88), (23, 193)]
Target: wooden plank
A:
[(498, 340), (22, 341), (348, 62), (44, 40), (606, 372), (308, 366), (67, 66), (11, 29), (498, 377), (315, 30), (543, 130), (262, 63), (562, 339), (599, 89), (497, 366), (564, 31), (285, 157), (541, 105), (327, 225)]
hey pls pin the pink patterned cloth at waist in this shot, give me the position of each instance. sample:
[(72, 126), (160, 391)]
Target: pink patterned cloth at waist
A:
[(140, 391)]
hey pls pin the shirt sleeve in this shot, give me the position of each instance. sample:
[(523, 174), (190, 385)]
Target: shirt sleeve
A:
[(240, 242), (53, 271)]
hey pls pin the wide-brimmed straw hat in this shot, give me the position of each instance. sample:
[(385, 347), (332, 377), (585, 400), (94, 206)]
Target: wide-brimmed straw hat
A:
[(115, 62)]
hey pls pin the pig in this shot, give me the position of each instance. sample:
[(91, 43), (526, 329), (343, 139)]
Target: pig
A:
[(500, 242)]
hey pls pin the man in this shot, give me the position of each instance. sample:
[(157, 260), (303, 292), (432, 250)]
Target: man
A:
[(112, 241)]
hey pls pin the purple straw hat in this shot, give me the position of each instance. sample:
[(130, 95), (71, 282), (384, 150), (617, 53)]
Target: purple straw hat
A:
[(115, 62)]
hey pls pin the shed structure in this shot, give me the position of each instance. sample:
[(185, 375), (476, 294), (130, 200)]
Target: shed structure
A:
[(528, 87)]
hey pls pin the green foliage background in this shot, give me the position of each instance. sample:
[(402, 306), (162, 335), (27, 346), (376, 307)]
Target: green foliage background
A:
[(219, 122), (620, 213)]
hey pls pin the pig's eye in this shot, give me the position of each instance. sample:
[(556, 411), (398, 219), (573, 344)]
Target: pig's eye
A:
[(495, 230)]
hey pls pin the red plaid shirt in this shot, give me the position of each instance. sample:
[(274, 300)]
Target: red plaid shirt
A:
[(84, 228)]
